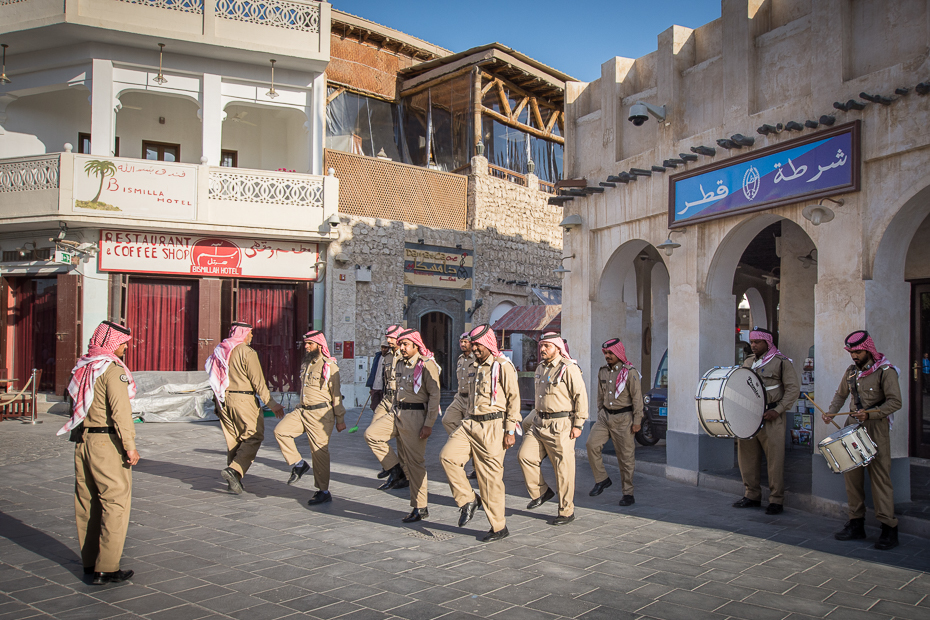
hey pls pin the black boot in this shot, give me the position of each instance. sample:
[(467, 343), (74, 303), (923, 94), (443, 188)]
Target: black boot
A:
[(853, 530), (888, 539)]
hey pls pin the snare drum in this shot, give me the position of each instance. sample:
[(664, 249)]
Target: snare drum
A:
[(730, 402), (848, 448)]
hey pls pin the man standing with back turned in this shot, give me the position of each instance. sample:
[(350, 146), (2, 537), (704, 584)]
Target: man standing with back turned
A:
[(236, 377), (105, 451)]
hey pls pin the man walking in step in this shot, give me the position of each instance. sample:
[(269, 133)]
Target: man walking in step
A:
[(381, 429), (781, 392), (104, 452), (452, 417), (620, 414), (561, 409), (236, 378), (320, 408), (375, 383), (873, 384)]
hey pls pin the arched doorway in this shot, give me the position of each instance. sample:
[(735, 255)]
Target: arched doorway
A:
[(436, 329)]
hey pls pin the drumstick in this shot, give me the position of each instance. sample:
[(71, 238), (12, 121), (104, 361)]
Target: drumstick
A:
[(807, 396), (849, 412)]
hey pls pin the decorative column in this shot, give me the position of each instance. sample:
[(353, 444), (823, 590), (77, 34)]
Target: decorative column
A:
[(212, 115), (316, 123), (104, 105)]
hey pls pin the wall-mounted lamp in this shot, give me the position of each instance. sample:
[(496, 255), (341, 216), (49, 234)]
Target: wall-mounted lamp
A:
[(639, 113), (3, 78), (818, 214), (561, 268), (809, 259), (62, 230), (272, 93), (572, 221), (478, 303), (160, 78), (668, 245), (342, 257)]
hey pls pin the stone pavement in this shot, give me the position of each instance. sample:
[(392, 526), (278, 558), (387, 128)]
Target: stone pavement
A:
[(680, 553)]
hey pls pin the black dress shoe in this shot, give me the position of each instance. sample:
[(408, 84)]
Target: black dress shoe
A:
[(747, 503), (384, 473), (298, 472), (394, 474), (542, 499), (468, 511), (600, 486), (627, 500), (560, 520), (492, 535), (417, 514), (114, 577), (232, 477), (320, 497), (774, 509), (472, 475), (400, 483)]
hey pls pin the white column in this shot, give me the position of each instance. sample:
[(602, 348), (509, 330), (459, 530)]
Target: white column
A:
[(316, 123), (103, 106), (211, 114)]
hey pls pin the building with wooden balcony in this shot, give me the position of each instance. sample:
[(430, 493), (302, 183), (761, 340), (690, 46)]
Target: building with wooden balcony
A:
[(161, 164)]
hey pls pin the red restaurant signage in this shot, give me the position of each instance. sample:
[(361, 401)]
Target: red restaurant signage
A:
[(152, 252)]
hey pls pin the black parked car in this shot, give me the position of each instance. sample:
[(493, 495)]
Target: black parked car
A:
[(655, 418)]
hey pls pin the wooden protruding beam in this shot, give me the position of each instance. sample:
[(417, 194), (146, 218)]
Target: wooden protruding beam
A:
[(552, 121), (522, 127), (505, 103), (536, 115), (332, 96)]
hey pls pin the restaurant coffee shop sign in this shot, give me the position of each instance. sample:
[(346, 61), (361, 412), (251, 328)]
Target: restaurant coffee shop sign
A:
[(822, 164), (135, 188), (163, 253)]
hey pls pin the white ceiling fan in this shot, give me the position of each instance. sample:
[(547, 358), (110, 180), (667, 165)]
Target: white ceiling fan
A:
[(239, 117)]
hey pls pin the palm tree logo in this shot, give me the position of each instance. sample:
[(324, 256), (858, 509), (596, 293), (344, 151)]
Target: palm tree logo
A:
[(102, 169)]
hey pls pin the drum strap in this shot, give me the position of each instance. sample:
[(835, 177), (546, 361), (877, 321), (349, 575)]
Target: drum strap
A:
[(851, 383)]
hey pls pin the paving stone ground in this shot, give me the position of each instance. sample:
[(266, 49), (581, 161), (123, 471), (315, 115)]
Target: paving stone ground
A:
[(680, 553)]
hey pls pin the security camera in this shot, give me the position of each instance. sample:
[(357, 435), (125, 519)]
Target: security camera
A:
[(639, 113)]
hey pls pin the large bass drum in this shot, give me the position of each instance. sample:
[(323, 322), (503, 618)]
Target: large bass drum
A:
[(730, 402)]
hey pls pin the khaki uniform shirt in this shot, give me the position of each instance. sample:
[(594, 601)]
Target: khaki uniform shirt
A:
[(245, 374), (462, 371), (568, 394), (111, 406), (880, 385), (429, 389), (782, 387), (315, 392), (631, 396), (389, 377), (508, 392)]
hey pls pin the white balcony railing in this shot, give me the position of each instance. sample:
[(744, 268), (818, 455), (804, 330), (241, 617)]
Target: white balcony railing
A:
[(29, 173), (267, 188)]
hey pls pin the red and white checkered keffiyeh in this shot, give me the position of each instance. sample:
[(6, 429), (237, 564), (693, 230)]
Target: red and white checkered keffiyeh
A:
[(107, 338), (764, 334), (616, 347), (554, 339), (484, 335), (862, 341), (320, 339), (425, 354), (217, 365)]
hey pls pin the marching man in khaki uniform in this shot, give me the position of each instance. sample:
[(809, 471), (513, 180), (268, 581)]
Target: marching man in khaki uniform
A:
[(320, 408), (620, 414), (781, 392), (236, 378), (381, 429), (561, 409), (105, 451), (452, 417), (873, 383), (492, 415)]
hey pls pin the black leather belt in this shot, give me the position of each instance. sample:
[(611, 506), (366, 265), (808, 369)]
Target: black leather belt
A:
[(488, 417), (553, 414), (107, 430), (316, 406), (620, 410), (463, 393), (240, 392), (415, 406), (771, 406)]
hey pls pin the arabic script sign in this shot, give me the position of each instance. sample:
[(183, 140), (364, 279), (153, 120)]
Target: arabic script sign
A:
[(822, 164), (428, 265), (153, 252), (154, 190)]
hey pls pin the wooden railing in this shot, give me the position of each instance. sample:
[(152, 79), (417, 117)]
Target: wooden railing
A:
[(507, 175), (545, 186)]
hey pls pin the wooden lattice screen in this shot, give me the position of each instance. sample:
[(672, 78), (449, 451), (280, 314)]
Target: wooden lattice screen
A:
[(371, 187)]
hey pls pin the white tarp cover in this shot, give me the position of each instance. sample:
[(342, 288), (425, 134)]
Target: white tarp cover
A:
[(173, 397)]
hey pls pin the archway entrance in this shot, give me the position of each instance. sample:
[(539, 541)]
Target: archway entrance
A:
[(917, 271), (436, 329)]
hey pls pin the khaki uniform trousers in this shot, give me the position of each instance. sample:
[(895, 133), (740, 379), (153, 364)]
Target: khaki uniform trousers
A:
[(484, 442), (550, 438), (615, 427), (102, 499), (379, 434), (244, 428), (452, 417), (412, 451), (879, 477), (770, 440), (318, 424)]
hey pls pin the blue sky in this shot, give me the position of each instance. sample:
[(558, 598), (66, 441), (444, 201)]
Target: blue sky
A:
[(574, 37)]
